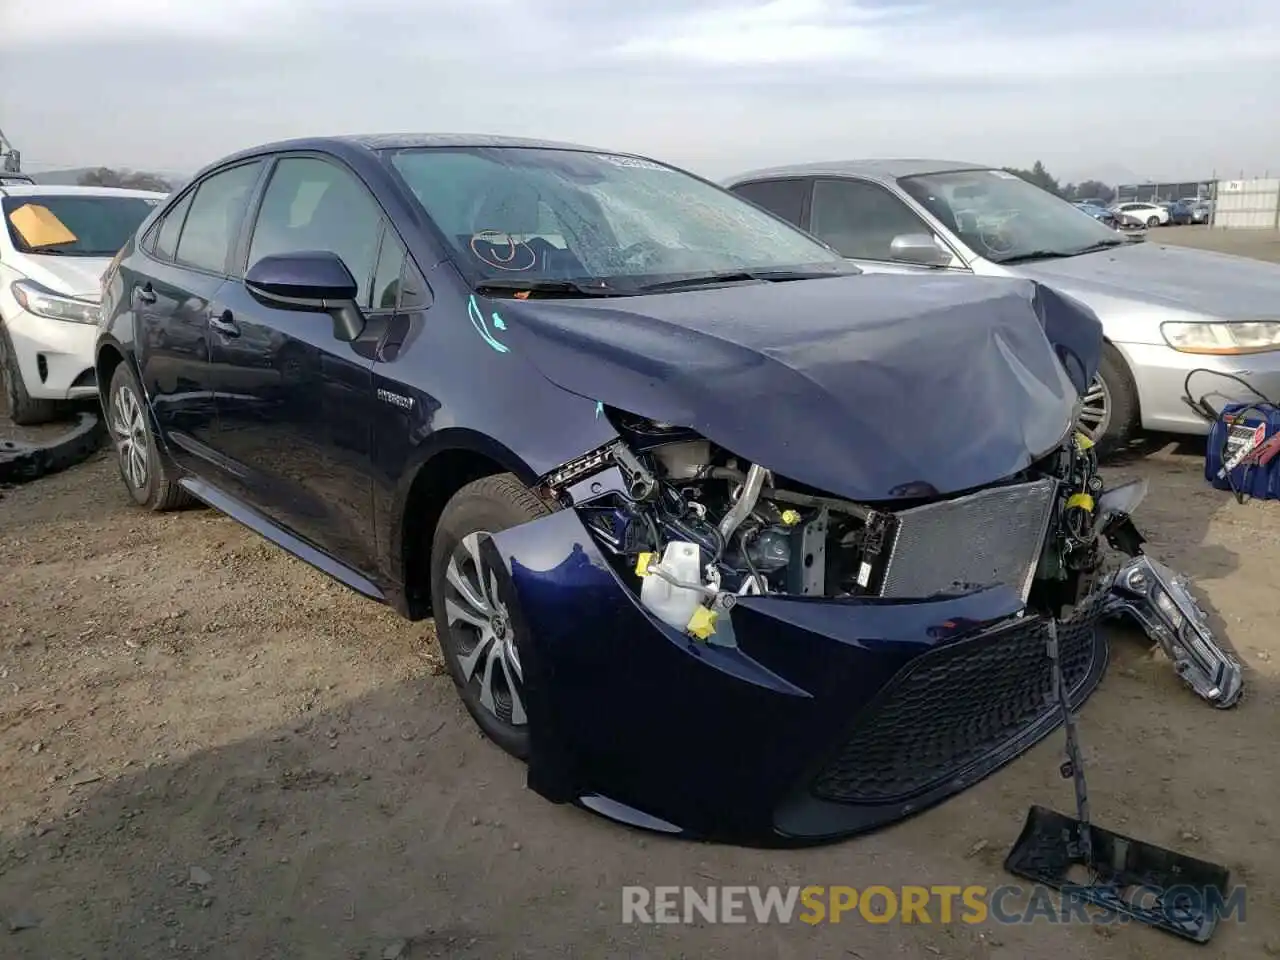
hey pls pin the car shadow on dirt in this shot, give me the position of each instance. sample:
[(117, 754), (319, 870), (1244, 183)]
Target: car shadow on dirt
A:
[(385, 826)]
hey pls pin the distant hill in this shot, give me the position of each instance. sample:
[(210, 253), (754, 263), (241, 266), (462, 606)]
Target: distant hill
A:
[(73, 175)]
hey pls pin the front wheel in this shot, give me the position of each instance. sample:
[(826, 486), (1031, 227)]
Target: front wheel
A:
[(1153, 222), (1109, 414), (137, 455), (24, 409), (477, 634)]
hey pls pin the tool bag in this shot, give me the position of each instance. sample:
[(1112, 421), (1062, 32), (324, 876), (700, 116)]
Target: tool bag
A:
[(1241, 453)]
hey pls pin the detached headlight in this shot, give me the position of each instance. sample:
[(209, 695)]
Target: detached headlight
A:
[(43, 302), (1223, 337)]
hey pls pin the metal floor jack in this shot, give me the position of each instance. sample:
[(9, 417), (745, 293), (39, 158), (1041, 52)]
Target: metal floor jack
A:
[(1127, 879)]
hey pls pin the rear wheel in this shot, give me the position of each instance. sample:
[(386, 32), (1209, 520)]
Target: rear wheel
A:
[(1109, 415), (141, 467), (1153, 222), (24, 409), (477, 636)]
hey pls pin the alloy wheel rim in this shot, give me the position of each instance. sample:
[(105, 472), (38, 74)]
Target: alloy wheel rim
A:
[(1095, 410), (131, 437), (483, 633)]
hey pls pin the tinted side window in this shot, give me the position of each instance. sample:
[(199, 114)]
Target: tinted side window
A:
[(312, 204), (860, 219), (166, 246), (215, 215), (385, 294), (414, 293), (783, 198)]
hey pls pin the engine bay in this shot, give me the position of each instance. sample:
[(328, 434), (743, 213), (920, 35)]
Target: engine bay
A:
[(691, 528)]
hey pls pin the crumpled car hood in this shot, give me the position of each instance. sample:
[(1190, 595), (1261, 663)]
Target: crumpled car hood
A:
[(872, 387), (1215, 284)]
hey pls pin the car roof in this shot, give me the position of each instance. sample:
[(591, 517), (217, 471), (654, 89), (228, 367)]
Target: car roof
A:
[(402, 141), (65, 190), (883, 169)]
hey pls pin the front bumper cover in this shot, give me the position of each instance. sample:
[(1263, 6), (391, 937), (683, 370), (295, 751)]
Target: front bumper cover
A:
[(828, 718)]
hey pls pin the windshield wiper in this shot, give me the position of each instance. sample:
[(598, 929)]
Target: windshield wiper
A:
[(1100, 245), (554, 288), (741, 276), (1038, 255)]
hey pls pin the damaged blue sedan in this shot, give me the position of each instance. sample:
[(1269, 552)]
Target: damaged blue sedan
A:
[(722, 536)]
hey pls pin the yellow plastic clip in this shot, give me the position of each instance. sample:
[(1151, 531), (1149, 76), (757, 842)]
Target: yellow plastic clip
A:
[(1082, 441), (703, 623), (642, 564), (790, 517), (1081, 500)]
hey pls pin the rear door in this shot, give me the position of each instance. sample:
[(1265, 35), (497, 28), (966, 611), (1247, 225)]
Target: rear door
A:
[(184, 266), (294, 402), (860, 219)]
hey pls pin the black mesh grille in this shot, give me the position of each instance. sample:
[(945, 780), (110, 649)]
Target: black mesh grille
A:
[(951, 708)]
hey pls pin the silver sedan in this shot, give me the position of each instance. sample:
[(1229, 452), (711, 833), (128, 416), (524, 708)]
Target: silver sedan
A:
[(1175, 319)]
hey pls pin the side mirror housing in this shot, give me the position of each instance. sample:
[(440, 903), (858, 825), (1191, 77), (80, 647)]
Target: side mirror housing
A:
[(919, 248), (313, 282)]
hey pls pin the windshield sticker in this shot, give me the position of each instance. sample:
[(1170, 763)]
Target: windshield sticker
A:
[(634, 162), (502, 251), (477, 321), (38, 227)]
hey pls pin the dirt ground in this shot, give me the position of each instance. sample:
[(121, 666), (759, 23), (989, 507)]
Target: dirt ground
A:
[(207, 749)]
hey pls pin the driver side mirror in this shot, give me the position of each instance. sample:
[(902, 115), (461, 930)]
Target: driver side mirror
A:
[(920, 248), (312, 282)]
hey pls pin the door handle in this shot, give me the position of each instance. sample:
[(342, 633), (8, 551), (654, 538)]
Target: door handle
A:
[(224, 323), (144, 294)]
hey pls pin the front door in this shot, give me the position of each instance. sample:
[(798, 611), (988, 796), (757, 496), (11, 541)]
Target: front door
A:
[(294, 402), (860, 219)]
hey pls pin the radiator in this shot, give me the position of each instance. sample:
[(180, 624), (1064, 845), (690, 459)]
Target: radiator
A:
[(990, 537)]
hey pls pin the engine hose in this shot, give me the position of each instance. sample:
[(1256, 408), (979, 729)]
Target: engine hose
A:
[(833, 504), (656, 571), (746, 502)]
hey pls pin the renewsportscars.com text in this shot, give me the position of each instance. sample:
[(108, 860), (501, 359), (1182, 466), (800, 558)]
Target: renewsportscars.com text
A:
[(935, 904)]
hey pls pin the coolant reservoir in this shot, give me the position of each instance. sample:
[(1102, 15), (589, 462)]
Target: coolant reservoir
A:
[(669, 603)]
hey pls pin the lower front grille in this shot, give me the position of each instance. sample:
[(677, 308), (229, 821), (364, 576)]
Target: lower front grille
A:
[(989, 537), (961, 707)]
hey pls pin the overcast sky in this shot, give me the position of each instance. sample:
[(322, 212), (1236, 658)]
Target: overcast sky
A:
[(1160, 88)]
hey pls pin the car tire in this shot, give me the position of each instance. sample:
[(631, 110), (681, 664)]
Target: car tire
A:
[(138, 458), (1120, 397), (1153, 222), (24, 409), (483, 658)]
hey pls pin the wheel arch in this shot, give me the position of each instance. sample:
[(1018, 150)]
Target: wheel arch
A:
[(109, 356), (456, 458)]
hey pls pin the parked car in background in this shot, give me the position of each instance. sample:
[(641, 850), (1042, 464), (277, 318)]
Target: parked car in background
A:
[(1166, 311), (1179, 213), (498, 381), (14, 179), (1202, 212), (1150, 214), (56, 243), (1099, 213)]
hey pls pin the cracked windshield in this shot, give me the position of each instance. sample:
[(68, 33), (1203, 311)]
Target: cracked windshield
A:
[(521, 215)]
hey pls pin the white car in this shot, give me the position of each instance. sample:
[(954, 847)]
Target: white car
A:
[(54, 246), (1152, 214)]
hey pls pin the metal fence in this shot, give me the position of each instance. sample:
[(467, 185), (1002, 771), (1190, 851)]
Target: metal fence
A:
[(1247, 204), (1165, 192)]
